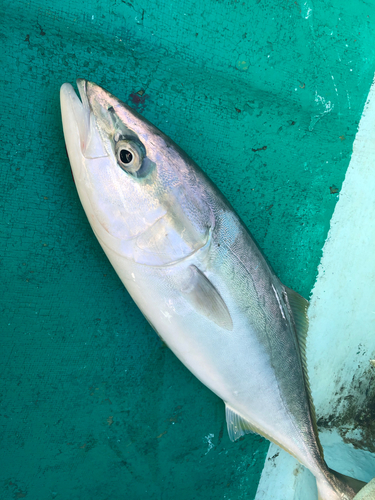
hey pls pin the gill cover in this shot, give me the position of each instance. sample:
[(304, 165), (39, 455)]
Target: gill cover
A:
[(140, 192)]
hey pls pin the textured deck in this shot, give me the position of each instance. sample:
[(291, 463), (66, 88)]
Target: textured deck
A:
[(266, 96)]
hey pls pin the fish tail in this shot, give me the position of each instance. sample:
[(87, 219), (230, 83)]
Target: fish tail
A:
[(336, 486)]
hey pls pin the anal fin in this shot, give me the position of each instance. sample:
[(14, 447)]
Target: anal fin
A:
[(239, 426)]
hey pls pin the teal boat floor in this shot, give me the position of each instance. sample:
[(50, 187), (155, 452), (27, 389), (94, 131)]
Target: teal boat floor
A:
[(266, 97)]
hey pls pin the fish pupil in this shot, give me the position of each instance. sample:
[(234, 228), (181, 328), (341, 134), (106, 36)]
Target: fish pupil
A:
[(126, 156)]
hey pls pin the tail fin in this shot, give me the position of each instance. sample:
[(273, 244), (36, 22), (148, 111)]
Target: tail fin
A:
[(355, 484), (368, 492), (336, 486)]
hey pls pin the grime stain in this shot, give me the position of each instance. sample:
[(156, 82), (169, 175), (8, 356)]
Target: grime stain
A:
[(296, 471), (13, 487), (348, 415), (89, 444), (273, 458), (221, 433)]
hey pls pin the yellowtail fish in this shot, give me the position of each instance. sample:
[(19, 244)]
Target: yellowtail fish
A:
[(196, 274)]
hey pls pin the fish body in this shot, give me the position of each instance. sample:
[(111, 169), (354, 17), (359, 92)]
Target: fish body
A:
[(195, 272)]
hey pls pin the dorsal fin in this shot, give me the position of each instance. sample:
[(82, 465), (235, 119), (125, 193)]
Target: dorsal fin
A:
[(299, 306), (206, 300)]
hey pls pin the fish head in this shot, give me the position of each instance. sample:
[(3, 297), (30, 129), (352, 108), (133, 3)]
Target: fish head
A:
[(142, 194)]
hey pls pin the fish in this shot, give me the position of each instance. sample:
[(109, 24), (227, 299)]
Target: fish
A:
[(197, 275)]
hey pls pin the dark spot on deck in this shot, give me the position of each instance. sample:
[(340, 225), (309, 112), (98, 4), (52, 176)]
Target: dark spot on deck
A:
[(221, 433), (139, 99), (272, 459), (275, 456), (42, 32)]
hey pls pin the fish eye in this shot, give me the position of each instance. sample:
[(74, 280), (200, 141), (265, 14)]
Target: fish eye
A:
[(129, 156), (126, 156)]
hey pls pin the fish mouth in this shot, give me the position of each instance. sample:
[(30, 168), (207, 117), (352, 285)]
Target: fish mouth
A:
[(80, 126), (82, 89)]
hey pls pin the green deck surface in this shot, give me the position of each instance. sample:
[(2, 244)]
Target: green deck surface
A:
[(266, 96)]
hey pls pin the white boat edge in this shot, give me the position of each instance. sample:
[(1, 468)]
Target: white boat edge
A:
[(341, 342)]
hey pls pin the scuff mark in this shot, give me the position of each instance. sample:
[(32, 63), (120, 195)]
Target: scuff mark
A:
[(307, 10), (208, 438), (325, 106)]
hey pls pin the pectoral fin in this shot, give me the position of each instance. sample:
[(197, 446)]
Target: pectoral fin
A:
[(204, 298)]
